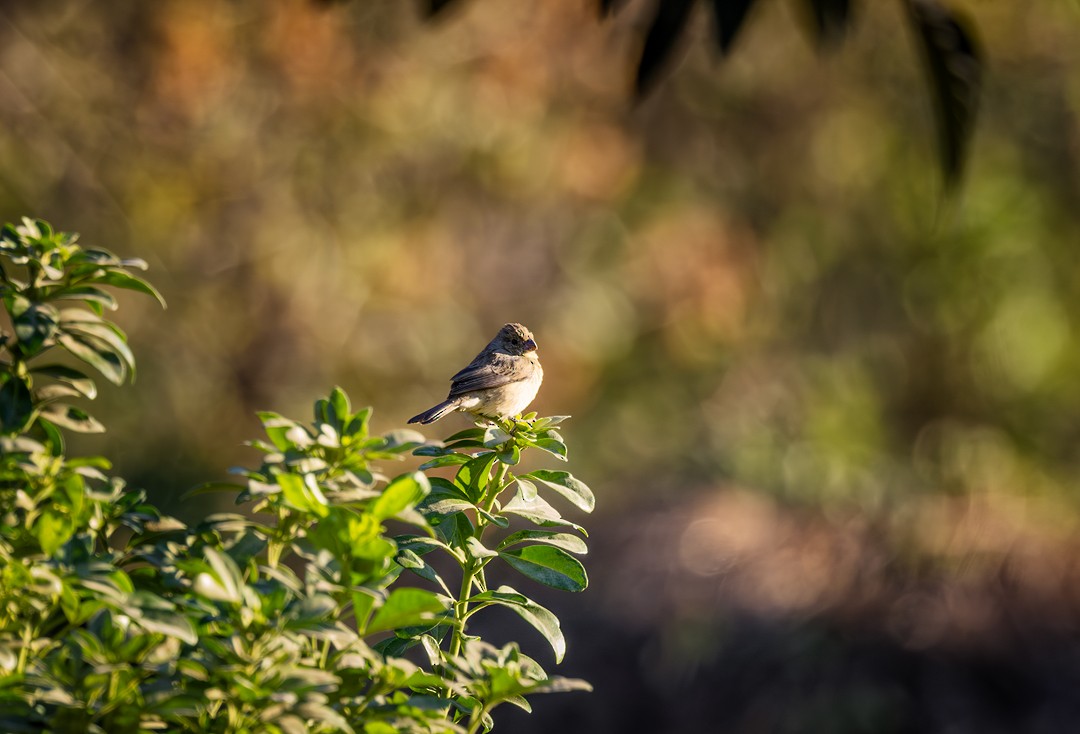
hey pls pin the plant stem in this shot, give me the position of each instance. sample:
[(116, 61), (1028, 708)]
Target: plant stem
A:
[(494, 490), (461, 608), (24, 650), (273, 553), (476, 720)]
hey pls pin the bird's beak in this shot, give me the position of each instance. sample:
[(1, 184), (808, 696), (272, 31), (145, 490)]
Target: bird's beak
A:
[(530, 345)]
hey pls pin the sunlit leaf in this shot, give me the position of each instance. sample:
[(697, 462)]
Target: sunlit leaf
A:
[(76, 379), (566, 541), (407, 607), (546, 623), (405, 491), (566, 485), (536, 510), (549, 565), (99, 356), (120, 279), (74, 419)]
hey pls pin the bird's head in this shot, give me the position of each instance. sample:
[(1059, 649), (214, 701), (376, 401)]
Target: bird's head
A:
[(514, 339)]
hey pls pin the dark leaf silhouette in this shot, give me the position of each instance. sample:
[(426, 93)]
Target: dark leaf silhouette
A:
[(434, 7), (607, 7), (664, 31), (955, 65), (728, 16), (830, 19)]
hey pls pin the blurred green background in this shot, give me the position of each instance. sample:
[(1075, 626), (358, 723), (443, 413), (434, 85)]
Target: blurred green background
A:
[(831, 416)]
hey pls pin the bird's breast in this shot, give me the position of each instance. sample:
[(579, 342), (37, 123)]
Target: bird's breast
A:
[(512, 398)]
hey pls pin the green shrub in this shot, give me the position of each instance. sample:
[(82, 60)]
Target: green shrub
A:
[(296, 616)]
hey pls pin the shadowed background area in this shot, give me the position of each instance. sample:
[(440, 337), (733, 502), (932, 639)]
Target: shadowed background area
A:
[(831, 417)]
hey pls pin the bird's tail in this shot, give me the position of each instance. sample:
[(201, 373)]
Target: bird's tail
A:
[(433, 414)]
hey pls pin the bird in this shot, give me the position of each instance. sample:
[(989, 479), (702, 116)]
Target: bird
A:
[(499, 383)]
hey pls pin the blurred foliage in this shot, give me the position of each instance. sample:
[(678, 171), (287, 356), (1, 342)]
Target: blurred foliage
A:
[(757, 260), (748, 280)]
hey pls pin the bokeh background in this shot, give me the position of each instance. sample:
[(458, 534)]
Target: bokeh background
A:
[(831, 415)]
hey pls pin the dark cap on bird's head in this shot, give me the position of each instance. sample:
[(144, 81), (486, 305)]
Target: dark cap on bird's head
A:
[(515, 339)]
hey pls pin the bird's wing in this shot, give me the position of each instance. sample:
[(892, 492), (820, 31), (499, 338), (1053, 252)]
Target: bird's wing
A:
[(487, 370)]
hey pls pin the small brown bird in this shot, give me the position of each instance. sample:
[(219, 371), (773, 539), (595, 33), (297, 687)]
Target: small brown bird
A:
[(500, 382)]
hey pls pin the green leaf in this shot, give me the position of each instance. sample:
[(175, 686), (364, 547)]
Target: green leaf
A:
[(19, 445), (76, 379), (35, 326), (548, 422), (406, 608), (445, 506), (54, 391), (566, 541), (553, 446), (409, 559), (95, 297), (120, 279), (474, 475), (539, 512), (363, 601), (72, 418), (226, 581), (53, 437), (52, 530), (277, 427), (303, 493), (469, 434), (104, 333), (358, 425), (170, 624), (16, 404), (477, 550), (455, 530), (549, 565), (509, 454), (546, 623), (339, 404), (403, 439), (526, 489), (563, 483), (404, 492), (99, 356), (445, 460), (70, 603), (495, 436)]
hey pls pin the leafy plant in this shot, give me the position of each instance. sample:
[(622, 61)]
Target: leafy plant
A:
[(295, 616)]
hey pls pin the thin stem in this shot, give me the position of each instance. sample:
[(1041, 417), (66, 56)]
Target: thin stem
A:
[(471, 570), (273, 553), (476, 720), (275, 546), (461, 608), (24, 650), (494, 490)]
